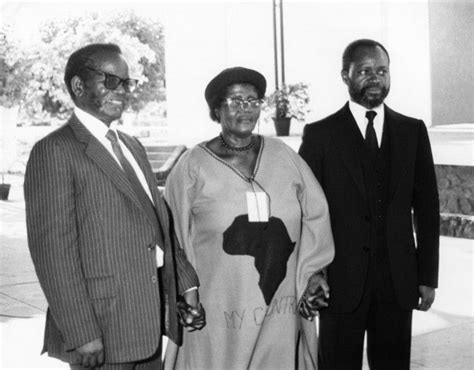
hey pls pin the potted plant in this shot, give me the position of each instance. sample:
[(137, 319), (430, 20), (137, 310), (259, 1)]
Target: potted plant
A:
[(290, 101), (4, 189)]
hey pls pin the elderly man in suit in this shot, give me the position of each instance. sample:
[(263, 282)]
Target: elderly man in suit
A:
[(99, 231), (376, 168)]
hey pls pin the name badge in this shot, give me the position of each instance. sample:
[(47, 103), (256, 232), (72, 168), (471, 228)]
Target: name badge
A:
[(159, 257), (257, 206)]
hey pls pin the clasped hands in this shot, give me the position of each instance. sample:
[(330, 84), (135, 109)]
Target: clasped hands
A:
[(190, 311), (314, 297), (192, 318)]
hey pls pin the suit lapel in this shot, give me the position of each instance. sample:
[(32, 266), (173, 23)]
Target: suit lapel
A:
[(346, 136), (400, 142), (103, 159), (142, 161), (150, 179)]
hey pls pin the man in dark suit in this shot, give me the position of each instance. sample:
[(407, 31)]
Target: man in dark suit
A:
[(99, 231), (378, 175)]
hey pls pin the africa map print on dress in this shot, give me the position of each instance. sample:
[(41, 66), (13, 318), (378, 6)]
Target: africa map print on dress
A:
[(270, 245)]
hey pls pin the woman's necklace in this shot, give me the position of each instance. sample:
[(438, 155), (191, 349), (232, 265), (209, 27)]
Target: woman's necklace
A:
[(236, 148)]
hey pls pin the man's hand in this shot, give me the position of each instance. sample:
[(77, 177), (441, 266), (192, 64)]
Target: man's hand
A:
[(91, 354), (191, 312), (314, 297), (427, 296)]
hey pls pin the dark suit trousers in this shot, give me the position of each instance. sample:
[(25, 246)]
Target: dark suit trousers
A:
[(152, 363), (388, 327)]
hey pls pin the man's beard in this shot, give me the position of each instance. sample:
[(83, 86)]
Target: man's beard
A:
[(366, 99)]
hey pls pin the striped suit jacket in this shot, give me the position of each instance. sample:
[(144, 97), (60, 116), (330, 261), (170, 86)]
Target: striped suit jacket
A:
[(93, 249)]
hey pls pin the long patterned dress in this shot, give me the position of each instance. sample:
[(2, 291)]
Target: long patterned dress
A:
[(252, 273)]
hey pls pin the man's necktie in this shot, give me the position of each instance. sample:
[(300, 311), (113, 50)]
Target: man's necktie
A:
[(370, 136), (132, 178)]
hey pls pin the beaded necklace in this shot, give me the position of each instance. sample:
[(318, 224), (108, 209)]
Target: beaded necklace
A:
[(236, 148)]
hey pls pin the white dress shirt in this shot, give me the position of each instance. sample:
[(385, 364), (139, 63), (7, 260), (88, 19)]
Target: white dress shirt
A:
[(358, 112), (98, 129)]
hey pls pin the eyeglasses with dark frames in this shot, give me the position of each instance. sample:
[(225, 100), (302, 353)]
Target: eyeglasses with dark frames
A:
[(237, 103), (112, 82)]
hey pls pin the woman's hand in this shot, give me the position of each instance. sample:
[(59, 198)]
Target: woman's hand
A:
[(314, 297)]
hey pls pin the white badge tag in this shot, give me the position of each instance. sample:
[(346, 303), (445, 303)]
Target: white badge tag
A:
[(159, 256), (257, 206)]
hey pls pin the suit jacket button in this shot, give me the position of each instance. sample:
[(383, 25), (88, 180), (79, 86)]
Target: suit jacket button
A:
[(154, 279), (366, 248), (367, 218), (151, 247)]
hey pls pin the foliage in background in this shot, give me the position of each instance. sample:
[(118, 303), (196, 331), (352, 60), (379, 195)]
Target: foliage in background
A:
[(13, 78), (291, 101), (33, 76)]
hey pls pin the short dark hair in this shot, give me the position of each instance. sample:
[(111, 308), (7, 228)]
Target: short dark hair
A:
[(354, 46), (84, 57)]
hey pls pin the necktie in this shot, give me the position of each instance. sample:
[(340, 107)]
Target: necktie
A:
[(370, 136), (135, 182)]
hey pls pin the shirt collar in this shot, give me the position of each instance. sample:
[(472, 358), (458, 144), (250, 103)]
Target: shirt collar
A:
[(94, 125), (358, 112)]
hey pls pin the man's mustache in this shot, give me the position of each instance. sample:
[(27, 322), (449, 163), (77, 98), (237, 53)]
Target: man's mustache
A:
[(373, 84), (368, 86)]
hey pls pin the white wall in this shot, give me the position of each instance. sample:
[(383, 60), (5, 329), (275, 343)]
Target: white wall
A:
[(452, 61), (202, 38)]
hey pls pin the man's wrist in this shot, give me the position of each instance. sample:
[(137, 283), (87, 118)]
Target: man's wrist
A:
[(191, 297)]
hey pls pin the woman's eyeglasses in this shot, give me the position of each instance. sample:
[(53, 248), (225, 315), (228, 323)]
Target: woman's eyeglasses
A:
[(237, 103), (112, 82)]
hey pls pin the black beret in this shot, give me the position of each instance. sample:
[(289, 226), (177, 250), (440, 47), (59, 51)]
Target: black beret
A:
[(235, 75)]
